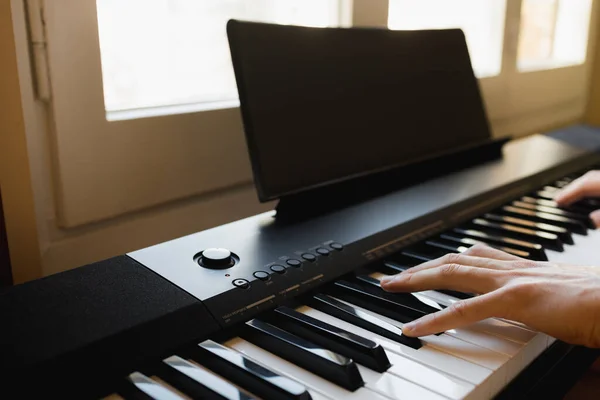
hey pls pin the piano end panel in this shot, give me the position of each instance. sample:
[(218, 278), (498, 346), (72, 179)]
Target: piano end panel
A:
[(552, 374), (101, 318)]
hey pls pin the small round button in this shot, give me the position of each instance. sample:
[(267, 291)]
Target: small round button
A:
[(323, 251), (216, 258), (241, 283), (280, 269), (262, 275), (309, 257), (292, 262), (337, 246)]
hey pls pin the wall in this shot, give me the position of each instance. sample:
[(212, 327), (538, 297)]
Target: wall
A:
[(38, 247), (15, 179), (593, 107)]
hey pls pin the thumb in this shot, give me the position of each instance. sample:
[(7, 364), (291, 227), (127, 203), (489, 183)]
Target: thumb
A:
[(595, 216)]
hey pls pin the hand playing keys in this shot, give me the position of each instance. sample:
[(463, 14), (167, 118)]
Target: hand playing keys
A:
[(560, 300)]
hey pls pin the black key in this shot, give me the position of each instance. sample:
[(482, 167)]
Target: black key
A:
[(305, 354), (454, 293), (464, 241), (141, 387), (198, 382), (568, 223), (246, 373), (535, 249), (551, 203), (584, 219), (447, 247), (435, 250), (410, 258), (563, 234), (593, 203), (370, 299), (548, 240), (361, 350), (391, 268), (357, 317)]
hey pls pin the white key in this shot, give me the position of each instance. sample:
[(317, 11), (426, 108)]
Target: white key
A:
[(538, 342), (504, 329), (317, 396), (514, 331), (521, 354), (459, 348), (511, 330), (444, 384), (153, 387), (497, 344), (429, 355), (394, 386), (308, 379), (532, 344), (486, 340), (447, 300), (583, 252), (496, 362)]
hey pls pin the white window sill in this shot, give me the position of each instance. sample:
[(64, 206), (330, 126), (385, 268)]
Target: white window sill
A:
[(149, 112)]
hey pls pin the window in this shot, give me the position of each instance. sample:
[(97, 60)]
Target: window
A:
[(177, 52), (481, 20), (143, 104), (554, 33)]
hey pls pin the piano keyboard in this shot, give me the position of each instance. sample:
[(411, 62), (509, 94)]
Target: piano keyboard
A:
[(345, 339)]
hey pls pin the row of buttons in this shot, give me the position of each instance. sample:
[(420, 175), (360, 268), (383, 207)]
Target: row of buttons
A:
[(322, 251), (292, 262)]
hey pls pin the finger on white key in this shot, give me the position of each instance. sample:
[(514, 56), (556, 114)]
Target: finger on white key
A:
[(500, 365)]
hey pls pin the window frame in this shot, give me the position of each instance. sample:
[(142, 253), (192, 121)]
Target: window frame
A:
[(103, 169)]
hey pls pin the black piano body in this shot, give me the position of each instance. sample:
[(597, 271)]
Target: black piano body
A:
[(80, 331)]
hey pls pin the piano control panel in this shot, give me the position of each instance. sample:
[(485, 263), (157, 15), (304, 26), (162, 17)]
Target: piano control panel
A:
[(241, 269)]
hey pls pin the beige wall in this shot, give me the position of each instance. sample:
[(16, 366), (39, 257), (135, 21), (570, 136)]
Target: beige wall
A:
[(593, 108), (38, 246), (15, 181)]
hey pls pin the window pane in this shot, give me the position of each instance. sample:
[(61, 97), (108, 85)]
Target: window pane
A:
[(554, 33), (169, 52), (481, 20)]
